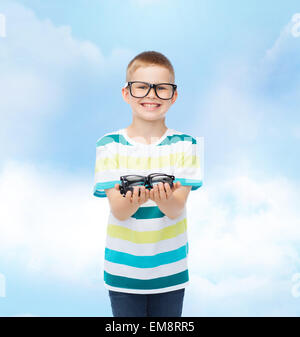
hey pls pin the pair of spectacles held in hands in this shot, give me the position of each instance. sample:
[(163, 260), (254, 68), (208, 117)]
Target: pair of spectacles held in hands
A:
[(129, 181)]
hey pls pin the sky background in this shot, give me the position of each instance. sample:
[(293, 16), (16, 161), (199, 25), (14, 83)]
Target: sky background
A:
[(237, 67)]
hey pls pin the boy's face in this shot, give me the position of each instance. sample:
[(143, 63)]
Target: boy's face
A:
[(155, 75)]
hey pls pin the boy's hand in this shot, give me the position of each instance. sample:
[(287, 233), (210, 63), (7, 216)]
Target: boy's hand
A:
[(163, 192), (134, 197)]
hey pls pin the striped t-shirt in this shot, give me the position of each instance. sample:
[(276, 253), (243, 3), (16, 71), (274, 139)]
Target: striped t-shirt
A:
[(148, 252)]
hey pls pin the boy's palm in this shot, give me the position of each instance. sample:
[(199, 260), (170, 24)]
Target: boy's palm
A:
[(134, 197), (163, 192), (158, 193)]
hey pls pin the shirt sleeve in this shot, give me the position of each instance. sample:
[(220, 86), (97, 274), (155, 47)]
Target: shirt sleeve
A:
[(107, 173), (189, 162)]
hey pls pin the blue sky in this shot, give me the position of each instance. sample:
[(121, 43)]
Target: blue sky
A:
[(62, 66)]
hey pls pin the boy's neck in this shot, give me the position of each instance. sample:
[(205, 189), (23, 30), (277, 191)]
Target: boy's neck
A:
[(149, 132)]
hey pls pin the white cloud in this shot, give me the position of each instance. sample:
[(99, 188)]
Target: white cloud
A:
[(251, 108), (50, 223), (244, 235), (42, 67), (37, 60), (278, 68), (284, 40)]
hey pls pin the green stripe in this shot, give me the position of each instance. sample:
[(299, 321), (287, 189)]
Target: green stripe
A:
[(155, 283), (124, 233), (119, 161)]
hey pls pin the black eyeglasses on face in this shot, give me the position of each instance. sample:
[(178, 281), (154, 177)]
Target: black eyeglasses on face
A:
[(139, 89)]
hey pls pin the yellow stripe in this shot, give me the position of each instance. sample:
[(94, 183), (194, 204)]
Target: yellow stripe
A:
[(169, 232), (147, 163)]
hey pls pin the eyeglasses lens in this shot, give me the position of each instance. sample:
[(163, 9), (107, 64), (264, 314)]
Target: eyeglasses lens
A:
[(139, 90), (135, 180), (160, 178)]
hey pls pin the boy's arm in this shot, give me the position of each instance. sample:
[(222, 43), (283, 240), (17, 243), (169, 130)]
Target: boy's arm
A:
[(173, 207), (123, 208)]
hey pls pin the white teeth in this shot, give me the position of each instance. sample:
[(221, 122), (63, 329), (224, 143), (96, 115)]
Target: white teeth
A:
[(150, 105)]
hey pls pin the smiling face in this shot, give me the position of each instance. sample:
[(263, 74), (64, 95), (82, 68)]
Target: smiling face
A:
[(152, 74)]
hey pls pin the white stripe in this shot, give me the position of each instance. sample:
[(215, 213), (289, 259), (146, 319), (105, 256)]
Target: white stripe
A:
[(143, 225), (114, 148), (182, 146), (146, 273)]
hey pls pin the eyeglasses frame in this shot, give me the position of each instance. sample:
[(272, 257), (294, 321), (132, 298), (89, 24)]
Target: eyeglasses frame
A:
[(151, 85), (145, 179)]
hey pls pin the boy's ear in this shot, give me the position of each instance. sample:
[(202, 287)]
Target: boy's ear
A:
[(125, 94), (174, 97)]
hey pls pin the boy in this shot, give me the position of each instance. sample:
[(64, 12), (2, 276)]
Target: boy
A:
[(145, 267)]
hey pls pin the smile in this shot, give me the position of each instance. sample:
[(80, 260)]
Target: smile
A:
[(150, 106)]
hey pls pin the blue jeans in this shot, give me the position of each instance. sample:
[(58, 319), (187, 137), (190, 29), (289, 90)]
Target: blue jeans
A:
[(168, 304)]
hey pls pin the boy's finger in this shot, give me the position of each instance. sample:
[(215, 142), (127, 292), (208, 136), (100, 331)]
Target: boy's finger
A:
[(128, 195), (162, 192), (156, 192), (143, 194), (135, 194), (152, 196), (168, 190)]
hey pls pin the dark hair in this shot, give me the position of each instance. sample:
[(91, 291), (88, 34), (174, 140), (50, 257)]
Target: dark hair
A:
[(147, 58)]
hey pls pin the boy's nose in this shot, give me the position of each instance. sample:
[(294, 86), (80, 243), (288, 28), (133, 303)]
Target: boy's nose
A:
[(151, 93)]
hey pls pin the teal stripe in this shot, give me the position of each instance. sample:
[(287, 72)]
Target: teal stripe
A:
[(178, 138), (151, 261), (100, 194), (190, 182), (112, 138), (148, 213), (155, 283), (102, 186), (167, 141)]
